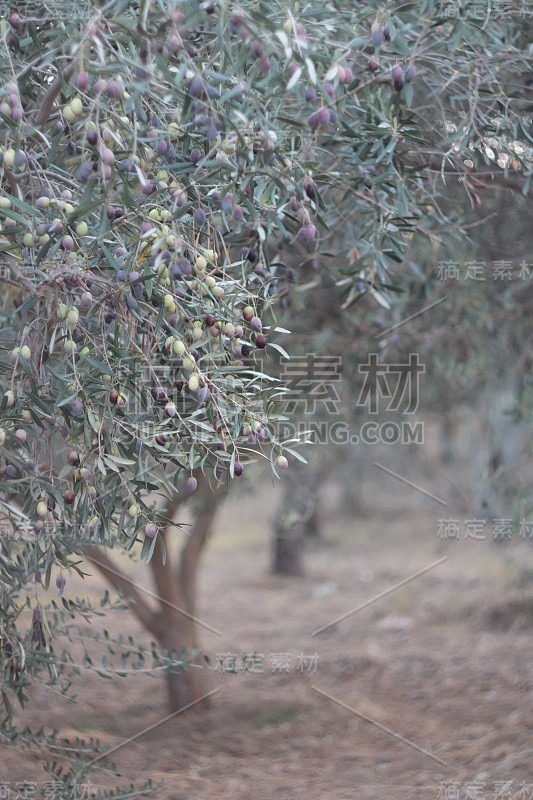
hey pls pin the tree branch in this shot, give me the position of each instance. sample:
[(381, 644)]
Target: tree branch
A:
[(495, 177), (47, 103), (20, 281), (196, 541), (167, 589), (139, 607)]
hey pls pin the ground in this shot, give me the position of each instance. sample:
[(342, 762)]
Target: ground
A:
[(443, 663)]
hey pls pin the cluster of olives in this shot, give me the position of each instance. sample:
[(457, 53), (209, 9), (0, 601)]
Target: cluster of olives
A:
[(381, 33)]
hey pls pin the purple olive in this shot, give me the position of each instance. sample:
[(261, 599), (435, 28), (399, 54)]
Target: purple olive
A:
[(67, 243), (396, 72), (115, 90), (238, 469), (227, 203), (211, 133), (197, 87), (185, 266), (159, 394), (257, 49), (196, 155), (239, 92), (323, 116), (260, 341), (238, 213), (107, 156), (86, 300), (377, 34), (132, 302), (174, 43), (77, 408), (83, 172), (397, 77), (303, 235), (310, 188), (199, 217), (410, 73), (292, 69), (310, 94), (204, 394), (170, 410), (68, 497), (82, 80), (191, 484)]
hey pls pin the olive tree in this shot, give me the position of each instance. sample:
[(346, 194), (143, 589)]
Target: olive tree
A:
[(172, 174)]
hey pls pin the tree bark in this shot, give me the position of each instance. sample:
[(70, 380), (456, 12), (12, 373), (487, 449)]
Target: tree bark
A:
[(287, 550), (173, 623), (297, 519), (448, 435)]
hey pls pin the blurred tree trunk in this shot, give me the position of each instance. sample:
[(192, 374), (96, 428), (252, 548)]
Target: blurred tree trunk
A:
[(287, 550), (174, 624), (448, 435), (297, 518), (312, 527)]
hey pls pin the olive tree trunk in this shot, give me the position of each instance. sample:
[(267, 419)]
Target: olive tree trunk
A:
[(173, 622), (297, 519)]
